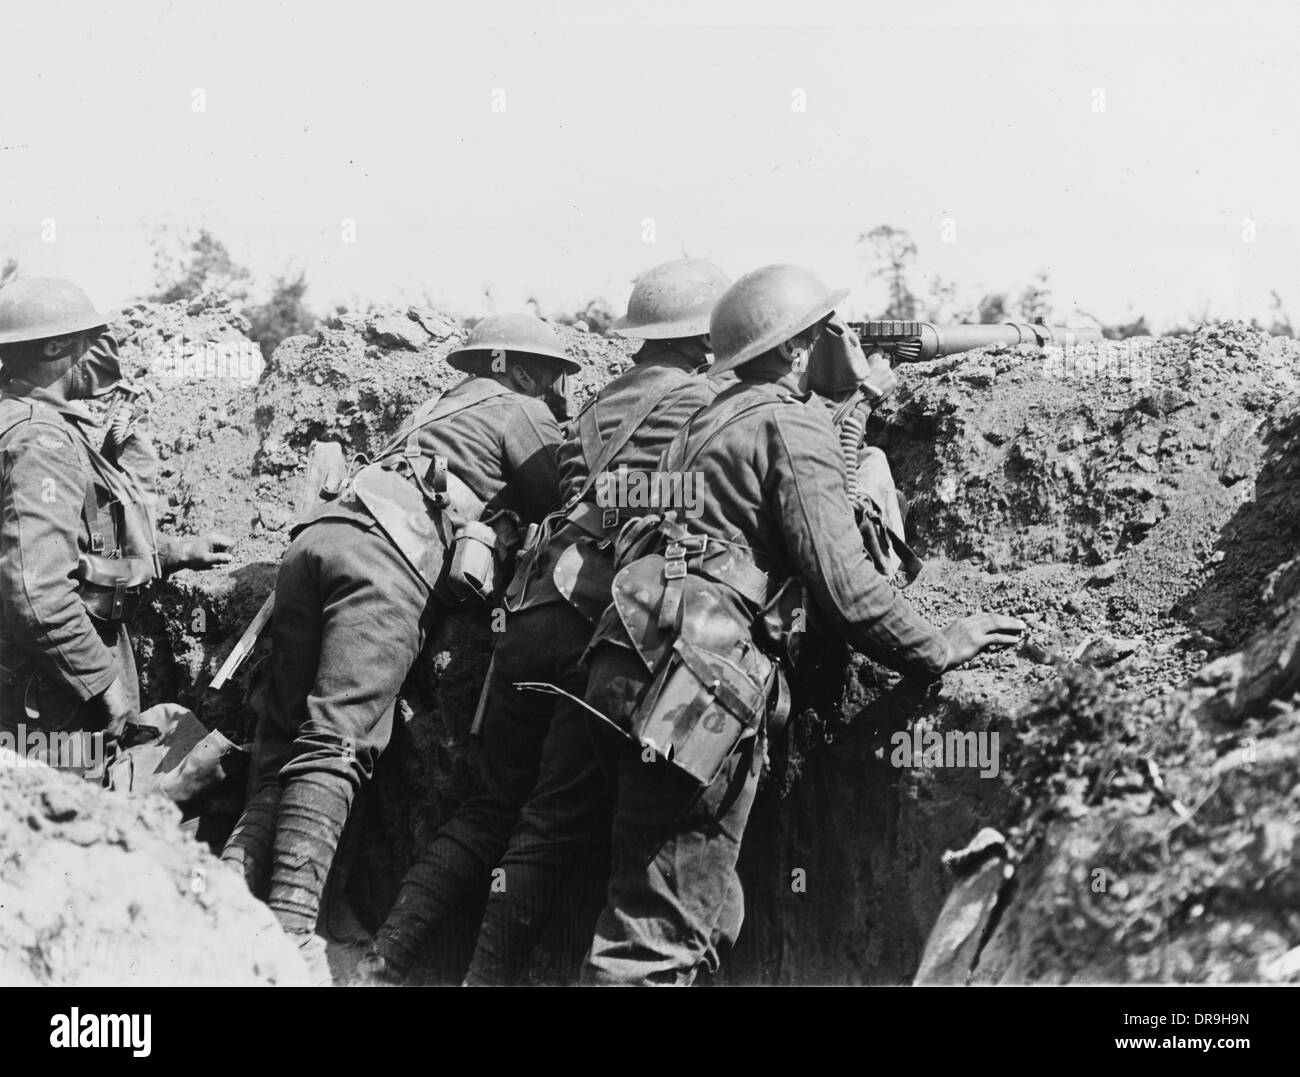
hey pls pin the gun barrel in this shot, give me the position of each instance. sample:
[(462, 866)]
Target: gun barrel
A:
[(913, 342)]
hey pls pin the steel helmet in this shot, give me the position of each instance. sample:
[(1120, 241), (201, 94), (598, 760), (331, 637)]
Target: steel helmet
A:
[(38, 308), (502, 333), (673, 300), (765, 308)]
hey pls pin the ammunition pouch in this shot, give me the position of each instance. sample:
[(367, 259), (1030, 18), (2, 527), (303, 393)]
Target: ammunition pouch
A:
[(111, 587)]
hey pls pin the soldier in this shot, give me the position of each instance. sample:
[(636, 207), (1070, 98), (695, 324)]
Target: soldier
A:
[(78, 544), (688, 658), (407, 541), (542, 776), (853, 384)]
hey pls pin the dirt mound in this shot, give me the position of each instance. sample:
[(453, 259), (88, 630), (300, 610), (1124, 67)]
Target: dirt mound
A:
[(100, 889), (1130, 456)]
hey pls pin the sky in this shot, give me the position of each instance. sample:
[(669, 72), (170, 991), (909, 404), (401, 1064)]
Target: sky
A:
[(1145, 155)]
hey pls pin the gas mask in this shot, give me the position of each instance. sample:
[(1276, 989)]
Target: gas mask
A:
[(558, 398), (98, 372), (837, 365)]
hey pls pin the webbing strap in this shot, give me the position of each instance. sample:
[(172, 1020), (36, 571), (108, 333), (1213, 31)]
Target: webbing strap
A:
[(440, 406), (589, 434), (675, 456)]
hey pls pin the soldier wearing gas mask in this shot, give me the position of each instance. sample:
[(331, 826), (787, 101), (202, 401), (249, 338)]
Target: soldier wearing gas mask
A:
[(78, 545), (544, 820), (423, 532), (853, 384), (690, 659)]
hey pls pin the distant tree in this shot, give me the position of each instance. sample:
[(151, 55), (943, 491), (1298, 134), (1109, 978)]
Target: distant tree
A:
[(1281, 326), (1136, 328), (890, 256), (284, 314), (10, 270), (941, 305), (186, 267), (992, 309), (1034, 302)]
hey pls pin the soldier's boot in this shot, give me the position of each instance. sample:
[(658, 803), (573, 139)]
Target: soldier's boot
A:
[(313, 809), (512, 926), (374, 971), (434, 887), (252, 842)]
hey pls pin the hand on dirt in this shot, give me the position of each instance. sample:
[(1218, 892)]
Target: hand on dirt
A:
[(968, 636), (207, 551)]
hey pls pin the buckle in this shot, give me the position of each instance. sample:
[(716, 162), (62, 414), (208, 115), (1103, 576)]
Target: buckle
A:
[(96, 542), (609, 518), (675, 570), (675, 551)]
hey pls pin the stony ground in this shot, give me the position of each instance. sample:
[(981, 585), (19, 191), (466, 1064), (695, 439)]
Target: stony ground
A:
[(1135, 502), (98, 889)]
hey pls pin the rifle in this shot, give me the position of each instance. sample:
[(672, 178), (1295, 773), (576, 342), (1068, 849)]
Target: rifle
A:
[(915, 342), (326, 471)]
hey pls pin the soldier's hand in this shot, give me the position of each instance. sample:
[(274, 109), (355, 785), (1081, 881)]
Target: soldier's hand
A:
[(206, 551), (118, 710), (968, 636), (880, 376)]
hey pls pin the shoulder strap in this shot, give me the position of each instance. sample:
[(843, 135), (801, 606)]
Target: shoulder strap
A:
[(439, 406), (676, 458), (589, 435)]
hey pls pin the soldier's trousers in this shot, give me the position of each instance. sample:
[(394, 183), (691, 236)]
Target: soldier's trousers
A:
[(47, 722), (350, 618), (674, 899), (543, 814), (349, 621)]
